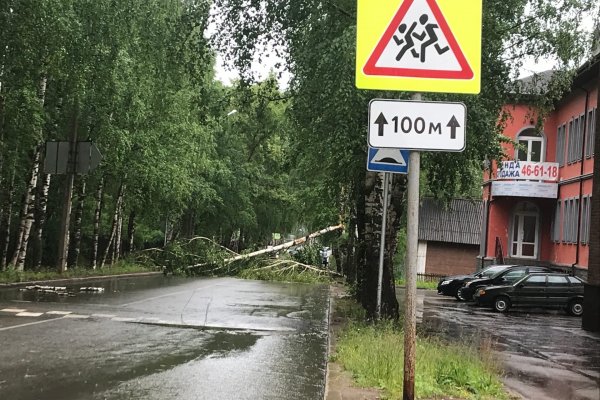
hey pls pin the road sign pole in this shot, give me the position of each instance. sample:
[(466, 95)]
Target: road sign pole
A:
[(412, 243), (386, 184)]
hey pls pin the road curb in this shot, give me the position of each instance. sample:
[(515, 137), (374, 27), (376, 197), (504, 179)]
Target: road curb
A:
[(76, 280)]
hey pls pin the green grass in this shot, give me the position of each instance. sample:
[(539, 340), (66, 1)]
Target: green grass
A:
[(12, 276), (420, 284), (374, 354)]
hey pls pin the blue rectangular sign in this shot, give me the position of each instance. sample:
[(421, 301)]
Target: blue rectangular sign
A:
[(394, 161)]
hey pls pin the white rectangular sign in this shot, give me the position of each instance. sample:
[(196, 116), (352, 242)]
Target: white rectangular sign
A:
[(519, 170), (525, 189), (417, 125)]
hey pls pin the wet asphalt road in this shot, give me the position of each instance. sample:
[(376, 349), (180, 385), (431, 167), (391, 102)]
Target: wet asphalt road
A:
[(545, 353), (166, 338)]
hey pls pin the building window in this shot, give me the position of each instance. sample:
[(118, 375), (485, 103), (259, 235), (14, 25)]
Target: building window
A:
[(586, 214), (531, 146), (591, 129), (570, 220), (556, 222), (525, 231), (560, 145), (575, 139)]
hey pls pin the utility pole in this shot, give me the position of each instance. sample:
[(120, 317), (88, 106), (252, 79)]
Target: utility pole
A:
[(591, 306), (63, 239), (412, 243)]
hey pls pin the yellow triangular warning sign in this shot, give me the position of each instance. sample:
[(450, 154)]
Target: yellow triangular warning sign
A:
[(418, 43)]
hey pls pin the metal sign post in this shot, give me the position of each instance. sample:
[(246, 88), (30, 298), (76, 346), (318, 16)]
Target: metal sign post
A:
[(412, 243), (386, 184)]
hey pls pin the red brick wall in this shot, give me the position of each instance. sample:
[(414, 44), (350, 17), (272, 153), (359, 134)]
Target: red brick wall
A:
[(451, 259)]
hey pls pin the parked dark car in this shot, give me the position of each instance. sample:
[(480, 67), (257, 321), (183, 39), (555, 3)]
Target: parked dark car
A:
[(536, 290), (506, 276), (449, 285)]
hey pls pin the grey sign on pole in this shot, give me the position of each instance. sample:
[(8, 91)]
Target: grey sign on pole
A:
[(57, 158), (56, 161), (88, 157)]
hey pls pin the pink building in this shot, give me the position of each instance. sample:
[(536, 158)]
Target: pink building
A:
[(537, 204)]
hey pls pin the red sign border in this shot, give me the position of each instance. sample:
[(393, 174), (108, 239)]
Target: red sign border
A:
[(372, 70)]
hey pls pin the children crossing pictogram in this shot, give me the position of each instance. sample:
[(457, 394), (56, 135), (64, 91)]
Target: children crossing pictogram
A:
[(418, 43)]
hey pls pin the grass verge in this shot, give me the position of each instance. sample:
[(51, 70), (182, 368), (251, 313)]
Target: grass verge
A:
[(420, 284), (374, 354), (12, 276)]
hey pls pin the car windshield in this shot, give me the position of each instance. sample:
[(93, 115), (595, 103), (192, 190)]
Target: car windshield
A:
[(492, 271)]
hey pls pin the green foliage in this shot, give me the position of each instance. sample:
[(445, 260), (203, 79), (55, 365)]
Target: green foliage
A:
[(309, 254), (374, 354)]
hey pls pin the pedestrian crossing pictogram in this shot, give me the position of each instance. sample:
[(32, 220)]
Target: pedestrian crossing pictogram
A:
[(419, 45)]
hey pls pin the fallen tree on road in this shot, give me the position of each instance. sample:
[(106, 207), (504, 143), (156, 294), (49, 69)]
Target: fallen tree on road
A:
[(274, 249)]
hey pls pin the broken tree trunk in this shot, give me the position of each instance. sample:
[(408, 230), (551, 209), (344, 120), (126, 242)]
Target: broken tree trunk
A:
[(275, 249)]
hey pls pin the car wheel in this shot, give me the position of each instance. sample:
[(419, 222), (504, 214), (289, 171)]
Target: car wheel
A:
[(502, 304), (461, 296), (576, 308)]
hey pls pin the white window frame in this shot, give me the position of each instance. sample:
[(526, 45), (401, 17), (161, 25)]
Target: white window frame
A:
[(530, 140), (518, 219)]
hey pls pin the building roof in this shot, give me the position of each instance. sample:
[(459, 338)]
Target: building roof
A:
[(535, 84), (458, 222)]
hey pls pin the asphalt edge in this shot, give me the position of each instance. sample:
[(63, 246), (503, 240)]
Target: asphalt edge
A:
[(77, 280), (329, 341)]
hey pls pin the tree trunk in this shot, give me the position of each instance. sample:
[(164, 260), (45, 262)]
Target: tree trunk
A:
[(119, 229), (42, 206), (27, 214), (6, 222), (29, 203), (591, 307), (113, 229), (349, 267), (97, 216), (63, 236), (130, 231), (371, 238), (76, 242)]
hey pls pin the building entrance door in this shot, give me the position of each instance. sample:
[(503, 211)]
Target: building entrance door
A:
[(525, 232)]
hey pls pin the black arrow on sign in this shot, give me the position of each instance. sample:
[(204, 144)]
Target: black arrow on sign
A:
[(453, 124), (381, 121)]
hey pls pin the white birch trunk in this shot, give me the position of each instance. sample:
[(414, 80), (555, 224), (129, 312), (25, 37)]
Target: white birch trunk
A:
[(97, 215), (113, 230), (131, 231), (27, 215), (119, 229), (76, 244), (6, 221), (41, 219)]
